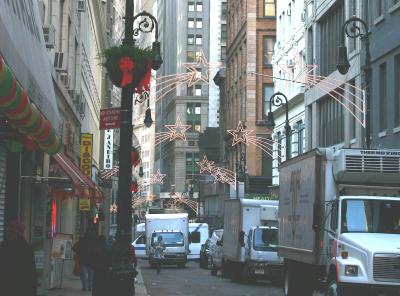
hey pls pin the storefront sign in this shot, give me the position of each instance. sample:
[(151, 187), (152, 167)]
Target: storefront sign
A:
[(86, 154), (23, 48), (109, 118), (108, 149), (62, 246), (84, 204)]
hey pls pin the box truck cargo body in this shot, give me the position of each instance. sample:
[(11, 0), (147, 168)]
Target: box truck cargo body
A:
[(339, 222), (250, 239), (174, 230)]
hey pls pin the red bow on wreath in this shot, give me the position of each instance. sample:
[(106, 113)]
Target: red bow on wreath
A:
[(126, 65), (135, 157), (134, 187)]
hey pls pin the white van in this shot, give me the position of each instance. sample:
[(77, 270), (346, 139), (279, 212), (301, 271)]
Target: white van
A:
[(198, 236), (140, 246)]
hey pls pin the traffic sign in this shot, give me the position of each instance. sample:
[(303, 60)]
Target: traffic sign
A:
[(110, 118)]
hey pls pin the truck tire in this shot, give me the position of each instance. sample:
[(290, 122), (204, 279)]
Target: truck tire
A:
[(333, 289), (293, 284)]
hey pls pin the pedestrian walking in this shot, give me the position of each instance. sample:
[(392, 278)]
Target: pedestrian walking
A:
[(84, 250), (17, 263), (159, 248), (101, 268)]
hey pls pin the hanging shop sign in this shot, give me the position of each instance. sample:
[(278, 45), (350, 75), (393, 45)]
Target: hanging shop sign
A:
[(21, 25), (84, 204), (110, 118), (108, 149), (86, 154)]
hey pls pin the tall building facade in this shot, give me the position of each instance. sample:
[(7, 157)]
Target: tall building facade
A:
[(250, 44), (289, 62), (184, 36)]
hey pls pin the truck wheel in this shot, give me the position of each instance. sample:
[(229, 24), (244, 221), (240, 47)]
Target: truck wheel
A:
[(334, 290), (293, 284)]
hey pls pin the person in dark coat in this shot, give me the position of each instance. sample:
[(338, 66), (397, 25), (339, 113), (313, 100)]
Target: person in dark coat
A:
[(17, 263), (102, 274)]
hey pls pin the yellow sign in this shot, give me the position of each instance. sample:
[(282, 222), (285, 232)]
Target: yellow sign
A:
[(84, 204), (86, 154)]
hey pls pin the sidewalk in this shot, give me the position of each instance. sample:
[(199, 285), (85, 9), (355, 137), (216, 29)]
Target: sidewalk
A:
[(71, 286)]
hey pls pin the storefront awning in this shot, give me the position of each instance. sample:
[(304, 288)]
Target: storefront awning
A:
[(22, 114), (82, 185)]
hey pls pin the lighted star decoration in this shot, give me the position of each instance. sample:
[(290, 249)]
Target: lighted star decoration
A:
[(176, 131), (113, 208), (181, 198), (157, 178), (343, 92), (107, 174), (205, 165), (197, 72), (219, 174), (240, 134)]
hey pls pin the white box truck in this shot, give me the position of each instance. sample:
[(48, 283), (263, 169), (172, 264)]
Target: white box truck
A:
[(174, 229), (198, 235), (339, 222), (250, 239)]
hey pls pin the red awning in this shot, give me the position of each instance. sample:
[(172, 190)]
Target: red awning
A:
[(82, 184)]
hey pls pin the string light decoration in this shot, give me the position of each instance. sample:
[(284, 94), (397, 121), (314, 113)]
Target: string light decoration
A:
[(176, 131), (180, 198), (241, 135), (334, 88), (113, 208), (169, 83), (156, 178), (107, 174), (219, 174)]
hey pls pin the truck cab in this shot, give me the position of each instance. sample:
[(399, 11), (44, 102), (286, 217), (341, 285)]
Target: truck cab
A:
[(261, 251)]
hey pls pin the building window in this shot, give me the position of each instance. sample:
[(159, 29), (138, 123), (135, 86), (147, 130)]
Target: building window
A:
[(268, 91), (199, 40), (268, 50), (190, 39), (397, 90), (300, 137), (197, 90), (379, 7), (223, 32), (190, 56), (382, 97), (330, 33), (199, 23), (269, 8), (352, 108), (331, 127), (199, 6), (191, 6), (193, 117), (191, 23), (199, 56), (192, 169)]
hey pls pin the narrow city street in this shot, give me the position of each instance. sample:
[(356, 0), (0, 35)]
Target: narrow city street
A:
[(194, 281)]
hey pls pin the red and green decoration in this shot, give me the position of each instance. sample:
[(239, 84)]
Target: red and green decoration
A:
[(135, 157), (134, 186), (22, 114), (129, 66)]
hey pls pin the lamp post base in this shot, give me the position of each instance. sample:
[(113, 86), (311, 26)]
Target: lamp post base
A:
[(122, 272)]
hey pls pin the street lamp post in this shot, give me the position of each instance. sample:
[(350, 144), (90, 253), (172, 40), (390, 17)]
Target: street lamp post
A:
[(276, 100), (122, 269), (352, 30)]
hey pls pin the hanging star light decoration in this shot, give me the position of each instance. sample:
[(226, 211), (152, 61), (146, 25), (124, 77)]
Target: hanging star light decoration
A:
[(240, 134), (219, 176), (205, 165), (157, 178), (113, 208), (176, 131)]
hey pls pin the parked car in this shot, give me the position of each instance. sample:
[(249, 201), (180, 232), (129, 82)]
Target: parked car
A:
[(205, 256), (140, 246), (216, 258)]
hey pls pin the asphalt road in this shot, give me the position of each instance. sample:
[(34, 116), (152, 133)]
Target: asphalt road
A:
[(194, 281)]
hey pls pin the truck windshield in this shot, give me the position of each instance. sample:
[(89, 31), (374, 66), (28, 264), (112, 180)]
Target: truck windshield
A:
[(372, 216), (265, 239), (170, 239)]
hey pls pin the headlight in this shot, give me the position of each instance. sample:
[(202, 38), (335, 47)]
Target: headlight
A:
[(351, 270)]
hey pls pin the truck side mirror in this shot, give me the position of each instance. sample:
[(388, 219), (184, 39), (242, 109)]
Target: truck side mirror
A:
[(241, 238), (317, 211)]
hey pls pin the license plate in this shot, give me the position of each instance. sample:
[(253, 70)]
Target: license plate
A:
[(259, 271)]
